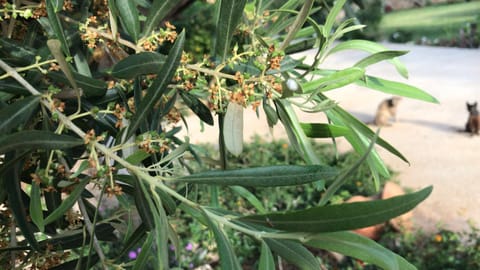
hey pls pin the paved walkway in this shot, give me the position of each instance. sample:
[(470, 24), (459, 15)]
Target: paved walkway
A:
[(425, 133)]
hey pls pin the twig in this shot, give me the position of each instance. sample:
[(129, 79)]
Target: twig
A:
[(14, 74), (210, 72), (91, 231), (105, 35)]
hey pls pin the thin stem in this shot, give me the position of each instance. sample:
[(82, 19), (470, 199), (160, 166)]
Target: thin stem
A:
[(256, 234), (122, 146), (210, 72), (55, 48), (13, 73), (91, 231), (106, 35)]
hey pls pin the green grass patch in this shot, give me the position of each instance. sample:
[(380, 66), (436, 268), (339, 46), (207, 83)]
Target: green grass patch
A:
[(440, 21)]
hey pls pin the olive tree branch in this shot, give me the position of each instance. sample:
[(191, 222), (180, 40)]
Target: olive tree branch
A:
[(139, 172)]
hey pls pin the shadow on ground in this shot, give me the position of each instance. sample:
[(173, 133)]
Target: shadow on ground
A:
[(444, 127)]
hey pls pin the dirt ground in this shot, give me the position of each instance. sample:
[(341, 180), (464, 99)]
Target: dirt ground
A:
[(427, 134)]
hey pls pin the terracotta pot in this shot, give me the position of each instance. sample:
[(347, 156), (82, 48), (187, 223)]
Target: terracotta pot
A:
[(401, 223)]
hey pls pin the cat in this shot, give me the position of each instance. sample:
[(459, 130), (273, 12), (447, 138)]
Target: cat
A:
[(473, 122), (386, 110)]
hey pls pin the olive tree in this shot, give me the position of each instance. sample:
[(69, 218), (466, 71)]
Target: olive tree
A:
[(89, 101)]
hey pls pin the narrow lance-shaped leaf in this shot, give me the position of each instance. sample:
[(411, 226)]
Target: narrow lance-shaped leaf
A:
[(332, 16), (112, 19), (294, 252), (283, 20), (341, 217), (371, 47), (228, 258), (135, 158), (57, 5), (174, 240), (334, 80), (266, 258), (138, 64), (158, 11), (70, 239), (396, 88), (9, 163), (321, 130), (143, 202), (68, 202), (82, 64), (378, 57), (159, 85), (78, 264), (200, 109), (361, 144), (178, 152), (342, 178), (17, 207), (11, 87), (161, 229), (146, 250), (14, 115), (56, 25), (359, 247), (75, 238), (233, 128), (263, 176), (250, 197), (35, 139), (298, 23), (321, 106), (294, 131), (272, 116), (36, 212), (344, 28), (90, 87), (129, 17), (133, 239), (360, 127), (16, 53), (230, 13), (54, 45)]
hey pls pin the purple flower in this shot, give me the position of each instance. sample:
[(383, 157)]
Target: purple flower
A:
[(132, 255), (189, 247), (191, 266)]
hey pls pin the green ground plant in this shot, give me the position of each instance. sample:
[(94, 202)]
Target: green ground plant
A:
[(437, 24), (259, 153), (90, 99), (443, 249)]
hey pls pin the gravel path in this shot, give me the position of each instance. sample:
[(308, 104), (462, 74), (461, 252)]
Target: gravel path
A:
[(427, 134)]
